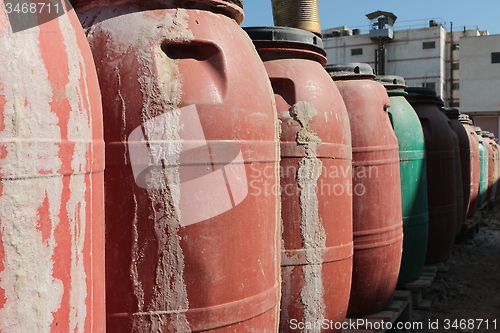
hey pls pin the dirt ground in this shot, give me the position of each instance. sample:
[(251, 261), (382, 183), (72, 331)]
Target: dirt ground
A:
[(466, 291)]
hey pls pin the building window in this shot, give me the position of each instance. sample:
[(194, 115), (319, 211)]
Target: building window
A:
[(455, 66), (495, 57), (455, 86), (429, 45), (431, 85), (356, 52), (455, 46)]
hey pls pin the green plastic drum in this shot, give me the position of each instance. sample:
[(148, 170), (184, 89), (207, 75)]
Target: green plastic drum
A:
[(413, 178), (483, 179)]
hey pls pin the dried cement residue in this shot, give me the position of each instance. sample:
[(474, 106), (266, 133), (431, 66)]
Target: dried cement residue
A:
[(79, 129), (30, 136), (286, 285), (140, 35), (313, 234)]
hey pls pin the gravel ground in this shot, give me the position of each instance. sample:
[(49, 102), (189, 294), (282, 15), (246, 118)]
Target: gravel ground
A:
[(466, 291)]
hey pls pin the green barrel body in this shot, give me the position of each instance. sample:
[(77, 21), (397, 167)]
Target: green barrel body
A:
[(413, 185), (483, 179)]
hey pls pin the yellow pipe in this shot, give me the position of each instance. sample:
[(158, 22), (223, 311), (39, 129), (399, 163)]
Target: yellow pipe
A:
[(301, 14)]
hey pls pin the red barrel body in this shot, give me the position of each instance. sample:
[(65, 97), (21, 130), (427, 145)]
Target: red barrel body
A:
[(191, 168), (316, 178), (494, 175), (495, 140), (463, 167), (491, 166), (474, 165), (494, 145), (51, 170), (377, 213), (440, 146)]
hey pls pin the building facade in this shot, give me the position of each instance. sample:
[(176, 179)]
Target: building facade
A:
[(480, 80), (463, 66)]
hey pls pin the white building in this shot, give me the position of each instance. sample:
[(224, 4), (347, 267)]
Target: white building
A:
[(458, 65), (480, 80)]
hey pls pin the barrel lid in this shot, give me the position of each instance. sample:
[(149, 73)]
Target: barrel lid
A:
[(231, 8), (417, 93), (237, 2), (285, 35), (354, 69), (452, 112), (465, 119), (421, 92), (391, 81)]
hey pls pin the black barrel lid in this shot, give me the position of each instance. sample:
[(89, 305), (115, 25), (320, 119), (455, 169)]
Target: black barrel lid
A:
[(452, 112), (419, 93), (354, 69), (285, 35), (422, 92), (391, 81)]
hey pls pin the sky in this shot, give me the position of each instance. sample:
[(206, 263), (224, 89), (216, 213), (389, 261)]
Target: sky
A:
[(484, 14)]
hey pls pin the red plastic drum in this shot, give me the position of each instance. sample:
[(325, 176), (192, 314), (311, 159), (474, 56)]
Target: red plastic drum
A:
[(492, 157), (191, 178), (316, 179), (377, 212), (51, 170), (474, 167), (492, 167)]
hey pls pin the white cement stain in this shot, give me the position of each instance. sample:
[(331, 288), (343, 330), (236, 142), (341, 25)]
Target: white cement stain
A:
[(311, 229), (79, 129), (141, 35), (30, 137), (136, 254)]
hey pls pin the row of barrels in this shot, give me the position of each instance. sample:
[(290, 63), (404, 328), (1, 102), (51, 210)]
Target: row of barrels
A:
[(167, 173)]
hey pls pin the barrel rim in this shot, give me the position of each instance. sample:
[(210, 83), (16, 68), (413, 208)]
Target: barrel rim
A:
[(353, 70), (392, 81), (230, 8), (285, 36)]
